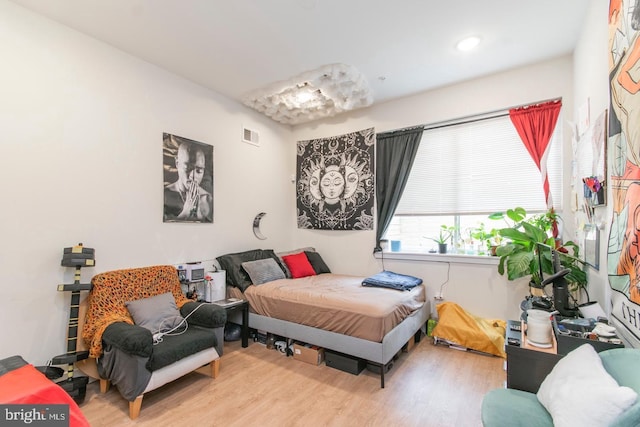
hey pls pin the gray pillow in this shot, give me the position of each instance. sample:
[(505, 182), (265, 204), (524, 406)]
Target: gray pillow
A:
[(263, 270), (232, 264), (158, 313)]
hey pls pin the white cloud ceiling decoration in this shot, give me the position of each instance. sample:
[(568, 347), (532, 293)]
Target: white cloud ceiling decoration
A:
[(312, 95)]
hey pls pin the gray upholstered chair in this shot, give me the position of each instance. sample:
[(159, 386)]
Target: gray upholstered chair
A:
[(516, 408), (131, 352)]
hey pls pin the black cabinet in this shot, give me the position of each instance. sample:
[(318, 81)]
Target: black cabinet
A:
[(527, 366)]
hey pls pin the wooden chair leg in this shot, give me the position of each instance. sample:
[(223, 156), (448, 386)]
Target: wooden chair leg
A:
[(215, 368), (134, 407), (104, 385)]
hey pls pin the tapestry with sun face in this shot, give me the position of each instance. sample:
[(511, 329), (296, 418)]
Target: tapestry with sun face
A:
[(335, 182)]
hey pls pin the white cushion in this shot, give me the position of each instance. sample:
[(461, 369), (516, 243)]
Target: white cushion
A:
[(580, 392)]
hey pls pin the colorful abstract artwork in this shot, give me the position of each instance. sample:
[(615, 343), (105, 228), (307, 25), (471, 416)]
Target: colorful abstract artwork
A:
[(335, 182), (624, 162)]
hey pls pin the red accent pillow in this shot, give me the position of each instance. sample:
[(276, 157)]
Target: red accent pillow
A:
[(299, 265)]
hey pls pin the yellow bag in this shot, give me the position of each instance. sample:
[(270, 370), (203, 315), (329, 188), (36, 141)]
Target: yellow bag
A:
[(458, 326)]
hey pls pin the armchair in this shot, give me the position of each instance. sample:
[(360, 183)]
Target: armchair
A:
[(121, 329), (513, 408)]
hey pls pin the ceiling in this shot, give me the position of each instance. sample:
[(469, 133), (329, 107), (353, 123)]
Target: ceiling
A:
[(401, 47)]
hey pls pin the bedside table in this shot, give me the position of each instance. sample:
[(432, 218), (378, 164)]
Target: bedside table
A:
[(243, 305), (527, 366)]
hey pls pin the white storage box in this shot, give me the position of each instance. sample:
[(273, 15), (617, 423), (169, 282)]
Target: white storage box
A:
[(216, 287)]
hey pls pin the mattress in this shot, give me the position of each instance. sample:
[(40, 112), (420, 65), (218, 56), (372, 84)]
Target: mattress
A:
[(336, 303)]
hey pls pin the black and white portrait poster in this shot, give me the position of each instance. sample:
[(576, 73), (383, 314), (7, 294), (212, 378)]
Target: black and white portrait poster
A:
[(335, 182), (188, 180)]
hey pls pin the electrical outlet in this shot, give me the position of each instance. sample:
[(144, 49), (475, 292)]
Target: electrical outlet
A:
[(438, 297)]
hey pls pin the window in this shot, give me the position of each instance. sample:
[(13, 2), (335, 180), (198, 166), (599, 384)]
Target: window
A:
[(462, 173)]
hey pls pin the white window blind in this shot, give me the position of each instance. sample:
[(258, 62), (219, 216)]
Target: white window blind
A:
[(479, 167)]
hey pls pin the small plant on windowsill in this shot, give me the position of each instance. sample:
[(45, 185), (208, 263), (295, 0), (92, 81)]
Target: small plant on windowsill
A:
[(446, 235), (489, 239), (495, 241), (493, 238)]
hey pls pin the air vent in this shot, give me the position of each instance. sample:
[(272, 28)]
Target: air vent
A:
[(250, 136)]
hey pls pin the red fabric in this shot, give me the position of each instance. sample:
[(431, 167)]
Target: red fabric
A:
[(299, 265), (27, 385), (535, 125)]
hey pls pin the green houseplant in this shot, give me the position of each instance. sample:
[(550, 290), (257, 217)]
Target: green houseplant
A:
[(481, 235), (519, 255), (491, 239), (444, 237)]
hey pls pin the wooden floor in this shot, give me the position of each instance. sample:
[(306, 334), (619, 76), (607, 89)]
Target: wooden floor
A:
[(431, 385)]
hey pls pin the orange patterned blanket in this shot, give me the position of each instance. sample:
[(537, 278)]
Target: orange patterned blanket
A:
[(112, 289)]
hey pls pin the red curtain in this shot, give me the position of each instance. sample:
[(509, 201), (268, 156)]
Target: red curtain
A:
[(535, 125)]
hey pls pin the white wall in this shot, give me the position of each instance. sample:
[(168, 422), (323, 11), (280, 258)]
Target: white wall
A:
[(82, 128), (591, 82), (477, 288)]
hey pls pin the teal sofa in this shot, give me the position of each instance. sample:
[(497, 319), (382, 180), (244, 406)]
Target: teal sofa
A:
[(516, 408)]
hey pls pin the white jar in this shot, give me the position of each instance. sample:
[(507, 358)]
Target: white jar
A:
[(539, 327)]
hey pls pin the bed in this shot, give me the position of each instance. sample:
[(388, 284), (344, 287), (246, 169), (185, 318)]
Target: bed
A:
[(309, 303)]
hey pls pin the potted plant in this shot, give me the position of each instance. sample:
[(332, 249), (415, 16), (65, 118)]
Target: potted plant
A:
[(519, 255), (446, 235), (494, 241), (490, 239)]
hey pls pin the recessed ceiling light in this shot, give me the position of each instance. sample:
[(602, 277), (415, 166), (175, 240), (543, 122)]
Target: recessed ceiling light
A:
[(468, 43)]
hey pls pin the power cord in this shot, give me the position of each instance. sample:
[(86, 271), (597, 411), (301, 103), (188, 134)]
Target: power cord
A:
[(439, 296), (380, 250), (157, 337), (586, 292)]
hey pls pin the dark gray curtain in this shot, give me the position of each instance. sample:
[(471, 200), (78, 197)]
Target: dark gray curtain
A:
[(395, 152)]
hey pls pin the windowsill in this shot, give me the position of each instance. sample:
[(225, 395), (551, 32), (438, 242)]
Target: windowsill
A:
[(433, 257)]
